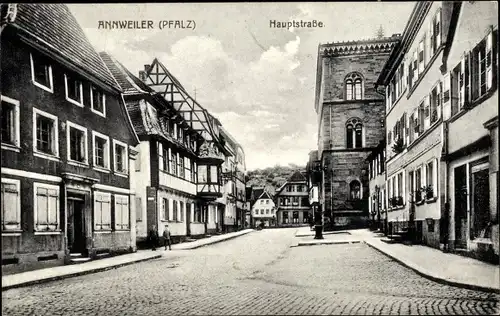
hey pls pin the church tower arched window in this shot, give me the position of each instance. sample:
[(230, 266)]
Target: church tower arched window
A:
[(354, 133), (353, 86)]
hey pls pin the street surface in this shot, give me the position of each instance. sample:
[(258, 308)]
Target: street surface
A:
[(255, 274)]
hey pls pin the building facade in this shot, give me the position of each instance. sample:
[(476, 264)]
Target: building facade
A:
[(376, 174), (293, 201), (351, 124), (67, 144), (264, 211), (442, 115), (470, 142), (166, 171)]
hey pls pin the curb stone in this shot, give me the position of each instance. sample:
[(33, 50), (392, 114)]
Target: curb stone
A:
[(429, 275), (216, 241), (75, 274)]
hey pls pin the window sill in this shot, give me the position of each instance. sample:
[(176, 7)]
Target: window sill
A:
[(420, 202), (424, 134), (11, 147), (46, 156), (43, 87), (121, 174), (78, 163), (122, 230), (431, 200), (396, 208), (54, 232), (12, 233), (79, 104), (102, 231), (98, 113), (101, 169)]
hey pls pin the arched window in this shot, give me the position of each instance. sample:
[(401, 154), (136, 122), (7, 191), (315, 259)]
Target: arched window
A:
[(354, 133), (353, 87), (355, 190)]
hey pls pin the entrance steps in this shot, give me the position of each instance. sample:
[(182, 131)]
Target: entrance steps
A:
[(78, 258)]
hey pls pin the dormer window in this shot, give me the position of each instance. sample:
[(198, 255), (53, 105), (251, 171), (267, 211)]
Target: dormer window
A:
[(353, 87), (74, 90), (41, 73)]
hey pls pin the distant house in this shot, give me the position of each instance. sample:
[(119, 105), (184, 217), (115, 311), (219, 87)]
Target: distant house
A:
[(293, 201), (264, 210)]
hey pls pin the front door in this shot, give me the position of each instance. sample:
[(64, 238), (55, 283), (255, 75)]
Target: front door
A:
[(461, 207), (188, 220), (76, 220), (480, 213)]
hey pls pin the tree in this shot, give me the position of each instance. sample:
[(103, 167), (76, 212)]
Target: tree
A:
[(380, 32)]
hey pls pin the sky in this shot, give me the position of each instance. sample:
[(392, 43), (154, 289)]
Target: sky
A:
[(257, 80)]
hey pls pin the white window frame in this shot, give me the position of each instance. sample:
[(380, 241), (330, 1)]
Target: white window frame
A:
[(37, 185), (17, 133), (55, 155), (17, 227), (106, 168), (103, 113), (70, 125), (122, 226), (108, 195), (40, 85), (125, 162), (75, 102)]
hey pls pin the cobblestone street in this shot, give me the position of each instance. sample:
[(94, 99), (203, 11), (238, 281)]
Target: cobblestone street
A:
[(259, 274)]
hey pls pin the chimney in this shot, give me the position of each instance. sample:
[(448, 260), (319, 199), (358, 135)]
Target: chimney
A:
[(142, 75), (146, 68)]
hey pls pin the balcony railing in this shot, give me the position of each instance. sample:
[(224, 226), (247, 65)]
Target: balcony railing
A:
[(176, 183)]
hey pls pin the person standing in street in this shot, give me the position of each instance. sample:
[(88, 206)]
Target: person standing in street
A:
[(153, 237), (166, 235)]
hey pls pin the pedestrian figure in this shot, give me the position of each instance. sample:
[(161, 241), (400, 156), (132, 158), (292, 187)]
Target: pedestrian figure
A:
[(166, 235), (153, 237)]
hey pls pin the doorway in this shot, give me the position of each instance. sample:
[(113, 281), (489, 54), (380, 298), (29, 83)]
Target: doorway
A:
[(480, 190), (460, 174), (76, 224)]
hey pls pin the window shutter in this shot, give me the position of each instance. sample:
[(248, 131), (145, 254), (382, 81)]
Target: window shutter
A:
[(405, 129), (439, 99), (415, 65), (431, 36), (411, 128), (490, 53), (434, 176), (403, 187), (427, 119), (461, 83), (447, 96), (388, 97), (438, 29)]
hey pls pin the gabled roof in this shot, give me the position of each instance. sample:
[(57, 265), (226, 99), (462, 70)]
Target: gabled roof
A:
[(52, 29), (265, 195), (297, 176)]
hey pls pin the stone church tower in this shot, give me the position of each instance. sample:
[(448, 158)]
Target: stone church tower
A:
[(351, 124)]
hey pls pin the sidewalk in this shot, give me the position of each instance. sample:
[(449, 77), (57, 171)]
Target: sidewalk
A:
[(67, 271), (209, 240), (436, 265)]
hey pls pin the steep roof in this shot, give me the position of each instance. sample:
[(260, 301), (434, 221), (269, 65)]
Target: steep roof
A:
[(265, 195), (52, 27), (297, 176)]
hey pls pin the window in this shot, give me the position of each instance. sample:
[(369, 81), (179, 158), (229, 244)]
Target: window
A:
[(295, 200), (195, 172), (121, 212), (98, 101), (41, 73), (10, 121), (46, 207), (295, 215), (165, 213), (435, 32), (355, 190), (181, 167), (174, 211), (101, 150), (11, 205), (261, 201), (213, 174), (76, 136), (431, 179), (482, 66), (411, 179), (262, 212), (400, 188), (121, 156), (161, 160), (418, 185), (46, 134), (285, 217), (102, 211), (267, 201), (354, 134), (187, 166), (421, 56), (353, 87), (173, 163), (74, 90), (435, 104)]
